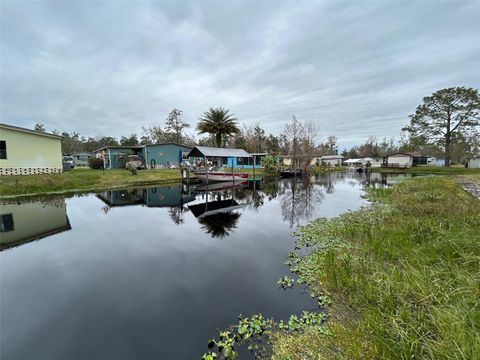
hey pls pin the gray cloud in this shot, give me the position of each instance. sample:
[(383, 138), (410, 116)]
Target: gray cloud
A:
[(355, 68)]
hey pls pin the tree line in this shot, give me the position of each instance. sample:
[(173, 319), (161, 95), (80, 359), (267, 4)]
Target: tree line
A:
[(445, 124)]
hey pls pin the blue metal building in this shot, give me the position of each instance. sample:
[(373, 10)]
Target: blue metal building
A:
[(155, 156), (164, 155)]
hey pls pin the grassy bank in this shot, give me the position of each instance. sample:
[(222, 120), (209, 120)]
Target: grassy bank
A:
[(82, 180), (453, 170), (403, 277), (474, 177)]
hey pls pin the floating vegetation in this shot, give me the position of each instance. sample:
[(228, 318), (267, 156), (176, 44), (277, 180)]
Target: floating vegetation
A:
[(286, 282), (248, 330)]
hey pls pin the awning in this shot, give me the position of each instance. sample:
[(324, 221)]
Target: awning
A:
[(204, 151)]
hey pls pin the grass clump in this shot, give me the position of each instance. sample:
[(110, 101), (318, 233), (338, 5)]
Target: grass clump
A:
[(403, 276)]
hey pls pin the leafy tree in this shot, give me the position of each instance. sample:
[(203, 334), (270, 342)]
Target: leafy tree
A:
[(370, 148), (71, 143), (129, 141), (329, 147), (272, 144), (153, 135), (218, 122), (445, 117), (240, 142), (258, 138), (39, 127), (175, 124), (207, 141)]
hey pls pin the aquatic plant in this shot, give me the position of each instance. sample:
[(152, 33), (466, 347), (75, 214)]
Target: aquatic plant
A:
[(286, 282), (247, 330)]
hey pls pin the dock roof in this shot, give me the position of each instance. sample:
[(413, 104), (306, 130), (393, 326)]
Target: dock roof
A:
[(205, 151)]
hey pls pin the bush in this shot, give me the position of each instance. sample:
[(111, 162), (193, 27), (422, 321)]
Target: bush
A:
[(270, 164), (95, 163)]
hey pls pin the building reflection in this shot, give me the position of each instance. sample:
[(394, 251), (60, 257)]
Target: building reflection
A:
[(21, 223), (166, 196)]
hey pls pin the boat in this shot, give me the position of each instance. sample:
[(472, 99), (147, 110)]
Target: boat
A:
[(210, 176)]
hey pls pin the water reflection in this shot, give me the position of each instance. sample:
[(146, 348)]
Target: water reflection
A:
[(217, 211), (154, 265), (215, 206), (167, 196), (24, 222), (300, 198)]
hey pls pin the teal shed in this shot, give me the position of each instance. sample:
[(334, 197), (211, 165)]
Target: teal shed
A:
[(167, 154)]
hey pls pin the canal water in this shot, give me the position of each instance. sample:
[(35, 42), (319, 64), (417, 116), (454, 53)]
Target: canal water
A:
[(153, 273)]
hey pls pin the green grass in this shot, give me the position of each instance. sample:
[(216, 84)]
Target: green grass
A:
[(78, 180), (403, 277), (474, 177), (453, 170)]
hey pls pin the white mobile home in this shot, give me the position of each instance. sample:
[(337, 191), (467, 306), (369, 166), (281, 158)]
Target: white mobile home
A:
[(400, 160), (474, 163), (332, 160), (26, 152)]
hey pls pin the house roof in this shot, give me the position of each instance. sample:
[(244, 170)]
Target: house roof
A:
[(332, 157), (401, 153), (82, 152), (120, 147), (204, 151), (139, 146), (170, 143), (29, 131)]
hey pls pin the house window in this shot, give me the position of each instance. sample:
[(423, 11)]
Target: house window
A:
[(6, 223), (3, 149)]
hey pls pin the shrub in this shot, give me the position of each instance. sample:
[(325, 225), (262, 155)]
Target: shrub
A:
[(95, 163)]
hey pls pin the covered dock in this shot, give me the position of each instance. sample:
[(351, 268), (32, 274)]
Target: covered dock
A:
[(221, 157)]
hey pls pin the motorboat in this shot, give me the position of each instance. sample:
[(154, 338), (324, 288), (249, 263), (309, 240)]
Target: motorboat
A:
[(220, 175)]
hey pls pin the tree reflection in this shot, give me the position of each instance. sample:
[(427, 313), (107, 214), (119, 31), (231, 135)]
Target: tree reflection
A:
[(176, 214), (221, 224), (299, 200)]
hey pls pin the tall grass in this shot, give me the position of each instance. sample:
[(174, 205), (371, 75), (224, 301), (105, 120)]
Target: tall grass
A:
[(404, 276)]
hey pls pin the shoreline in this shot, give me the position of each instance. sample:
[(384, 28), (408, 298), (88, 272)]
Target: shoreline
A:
[(383, 270)]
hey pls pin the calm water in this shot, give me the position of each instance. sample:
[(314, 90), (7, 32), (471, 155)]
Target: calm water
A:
[(153, 273)]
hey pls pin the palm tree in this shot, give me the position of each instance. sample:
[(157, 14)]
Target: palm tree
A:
[(219, 123)]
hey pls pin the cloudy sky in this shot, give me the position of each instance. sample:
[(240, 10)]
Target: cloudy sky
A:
[(110, 67)]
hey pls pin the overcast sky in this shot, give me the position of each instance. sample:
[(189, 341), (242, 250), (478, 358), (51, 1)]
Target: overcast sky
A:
[(355, 68)]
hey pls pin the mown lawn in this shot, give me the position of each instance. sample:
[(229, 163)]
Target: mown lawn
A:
[(82, 180), (403, 277)]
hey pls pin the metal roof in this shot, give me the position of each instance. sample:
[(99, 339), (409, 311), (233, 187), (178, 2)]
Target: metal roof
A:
[(330, 157), (205, 151), (120, 147)]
